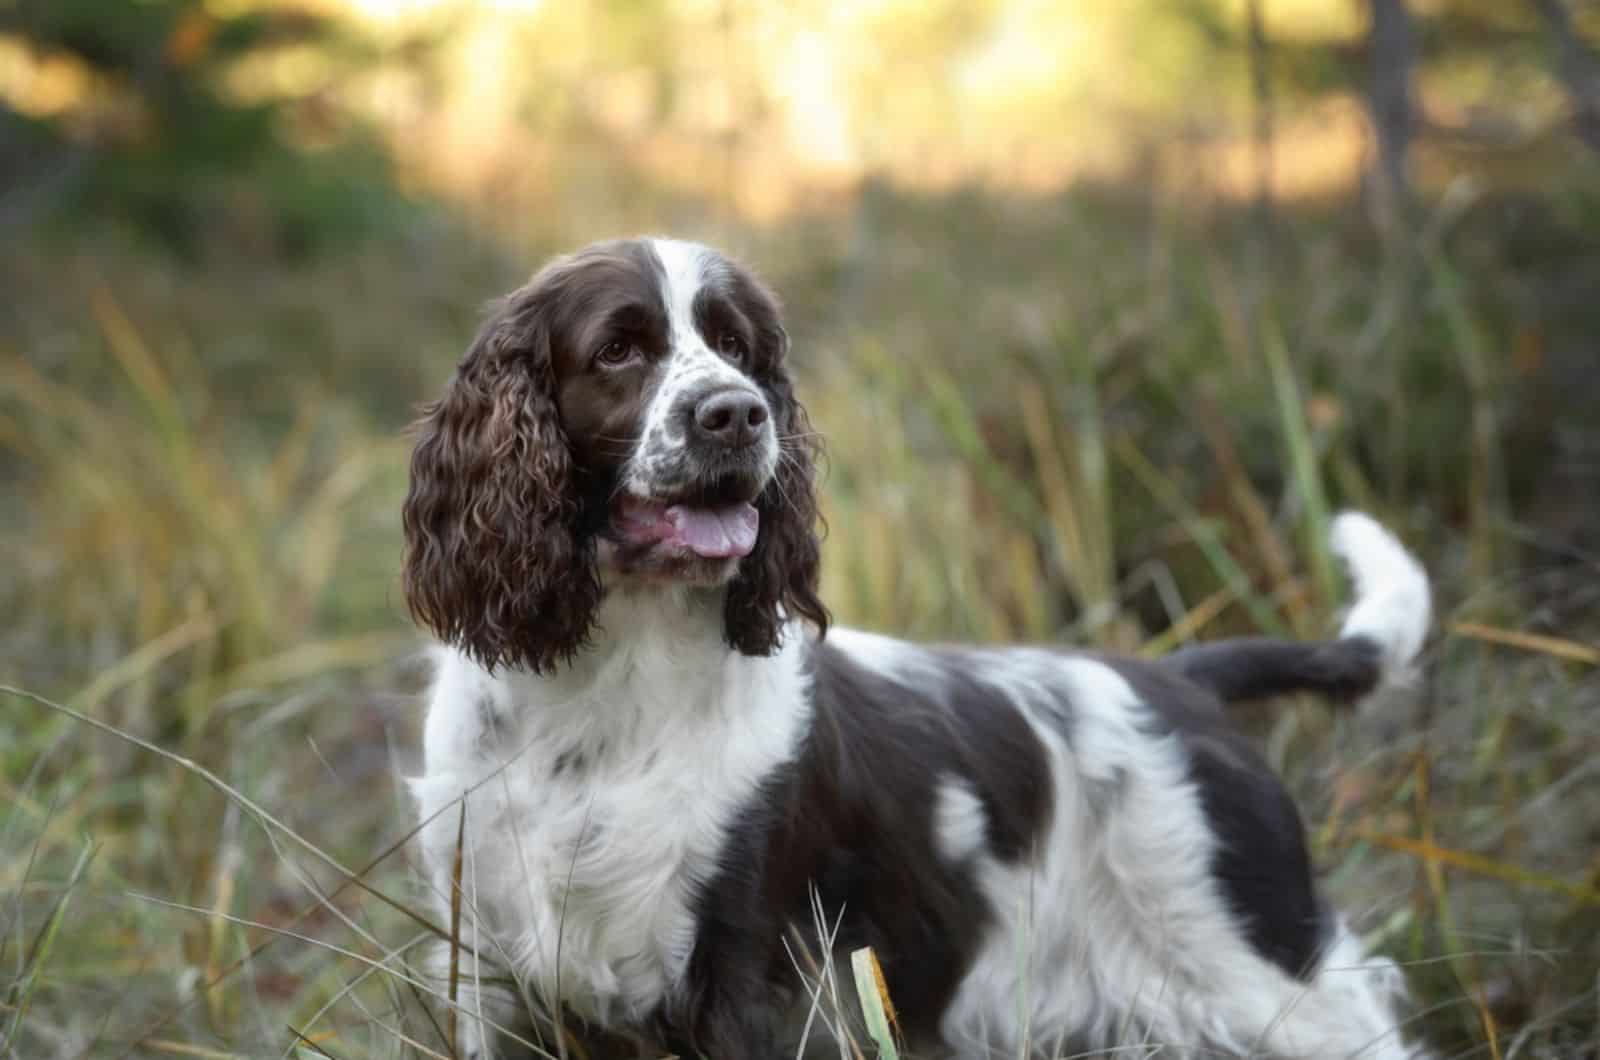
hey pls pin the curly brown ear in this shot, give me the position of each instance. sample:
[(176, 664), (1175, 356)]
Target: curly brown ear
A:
[(494, 562), (778, 579)]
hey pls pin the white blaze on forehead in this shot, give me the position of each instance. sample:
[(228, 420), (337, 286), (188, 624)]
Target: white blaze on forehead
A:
[(691, 364), (686, 268), (683, 267)]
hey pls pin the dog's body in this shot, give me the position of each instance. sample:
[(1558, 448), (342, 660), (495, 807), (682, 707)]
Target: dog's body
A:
[(680, 794)]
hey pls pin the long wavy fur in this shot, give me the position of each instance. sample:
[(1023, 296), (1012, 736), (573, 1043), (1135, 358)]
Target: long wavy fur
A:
[(779, 579), (494, 560)]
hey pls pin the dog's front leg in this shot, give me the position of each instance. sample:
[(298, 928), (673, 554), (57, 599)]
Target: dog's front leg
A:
[(490, 1020), (730, 1013), (730, 1031)]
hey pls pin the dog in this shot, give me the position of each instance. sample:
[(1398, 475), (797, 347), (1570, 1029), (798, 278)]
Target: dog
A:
[(653, 771)]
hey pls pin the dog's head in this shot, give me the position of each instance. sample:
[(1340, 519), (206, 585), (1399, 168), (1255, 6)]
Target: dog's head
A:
[(626, 418)]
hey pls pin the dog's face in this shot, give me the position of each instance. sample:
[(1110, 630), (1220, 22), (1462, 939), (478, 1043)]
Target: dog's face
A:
[(626, 417), (668, 366)]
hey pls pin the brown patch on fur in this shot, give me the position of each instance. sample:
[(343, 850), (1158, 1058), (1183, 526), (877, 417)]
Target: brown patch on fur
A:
[(494, 560)]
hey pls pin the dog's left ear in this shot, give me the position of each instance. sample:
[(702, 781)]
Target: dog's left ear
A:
[(778, 580), (495, 562)]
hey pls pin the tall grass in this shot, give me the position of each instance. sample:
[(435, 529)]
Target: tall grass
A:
[(1061, 443)]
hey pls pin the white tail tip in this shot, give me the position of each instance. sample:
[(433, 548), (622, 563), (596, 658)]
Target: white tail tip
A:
[(1393, 605)]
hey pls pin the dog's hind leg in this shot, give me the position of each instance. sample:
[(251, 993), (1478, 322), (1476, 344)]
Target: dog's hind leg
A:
[(1345, 1011)]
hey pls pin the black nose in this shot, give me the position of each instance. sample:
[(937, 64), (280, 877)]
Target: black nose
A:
[(730, 418)]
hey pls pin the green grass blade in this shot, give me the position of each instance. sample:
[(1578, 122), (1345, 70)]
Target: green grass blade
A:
[(870, 989), (1307, 479), (1204, 535), (21, 993)]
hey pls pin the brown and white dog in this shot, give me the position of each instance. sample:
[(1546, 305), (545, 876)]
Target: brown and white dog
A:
[(669, 761)]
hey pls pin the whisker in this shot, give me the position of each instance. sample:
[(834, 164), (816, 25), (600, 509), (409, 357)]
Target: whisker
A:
[(777, 484)]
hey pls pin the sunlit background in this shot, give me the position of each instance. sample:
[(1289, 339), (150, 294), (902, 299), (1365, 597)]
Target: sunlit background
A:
[(1102, 305)]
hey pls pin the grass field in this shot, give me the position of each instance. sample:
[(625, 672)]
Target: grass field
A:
[(1092, 418)]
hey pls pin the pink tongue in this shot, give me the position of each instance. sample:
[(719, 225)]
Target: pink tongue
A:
[(715, 532)]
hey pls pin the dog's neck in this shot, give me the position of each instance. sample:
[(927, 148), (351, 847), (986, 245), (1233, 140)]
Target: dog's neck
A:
[(658, 659), (646, 627)]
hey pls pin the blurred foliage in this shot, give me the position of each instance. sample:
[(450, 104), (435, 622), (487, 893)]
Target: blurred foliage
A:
[(286, 126), (140, 122)]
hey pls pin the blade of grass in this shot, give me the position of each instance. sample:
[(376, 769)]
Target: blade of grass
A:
[(1559, 647), (341, 951), (1487, 487), (138, 361), (173, 1048), (1077, 500), (144, 659), (875, 1004), (949, 404), (1251, 509), (455, 929), (1306, 478), (173, 1013), (21, 993), (1478, 864), (1192, 622), (367, 973), (356, 651), (216, 936), (1202, 533), (301, 1039), (246, 803)]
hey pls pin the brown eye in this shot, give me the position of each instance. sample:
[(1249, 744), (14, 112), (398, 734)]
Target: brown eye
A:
[(615, 354), (731, 345)]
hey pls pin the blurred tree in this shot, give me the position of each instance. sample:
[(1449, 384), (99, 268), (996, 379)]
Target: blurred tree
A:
[(1579, 69), (167, 114), (1392, 51)]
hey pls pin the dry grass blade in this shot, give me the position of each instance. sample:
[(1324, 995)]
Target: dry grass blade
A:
[(952, 405), (1078, 503), (301, 1039), (1559, 647), (174, 1048), (246, 803), (455, 928), (351, 986), (134, 355), (875, 1004), (139, 663), (261, 947), (1436, 855), (1201, 532), (1306, 478), (1487, 484), (37, 954), (341, 951), (1247, 502), (317, 657), (1188, 624)]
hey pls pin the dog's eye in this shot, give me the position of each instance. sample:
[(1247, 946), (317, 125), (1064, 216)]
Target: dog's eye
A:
[(613, 354), (731, 345)]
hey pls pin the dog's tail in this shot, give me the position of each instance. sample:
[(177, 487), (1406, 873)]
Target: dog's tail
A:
[(1381, 636)]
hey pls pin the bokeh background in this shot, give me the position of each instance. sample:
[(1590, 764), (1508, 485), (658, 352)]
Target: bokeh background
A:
[(1103, 307)]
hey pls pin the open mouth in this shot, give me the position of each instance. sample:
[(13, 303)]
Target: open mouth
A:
[(711, 531)]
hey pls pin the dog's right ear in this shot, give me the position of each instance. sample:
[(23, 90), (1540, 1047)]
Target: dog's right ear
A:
[(494, 561)]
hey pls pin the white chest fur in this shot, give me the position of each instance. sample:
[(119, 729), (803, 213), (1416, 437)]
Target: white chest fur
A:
[(596, 800)]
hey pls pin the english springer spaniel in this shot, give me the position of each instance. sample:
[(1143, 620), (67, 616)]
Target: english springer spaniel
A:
[(653, 773)]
